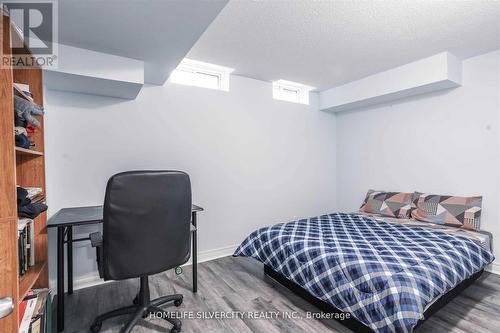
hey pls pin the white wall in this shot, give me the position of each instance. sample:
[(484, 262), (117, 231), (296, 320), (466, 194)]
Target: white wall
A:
[(253, 160), (445, 143)]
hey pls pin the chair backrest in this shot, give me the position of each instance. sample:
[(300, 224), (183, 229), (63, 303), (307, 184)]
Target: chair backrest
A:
[(146, 226)]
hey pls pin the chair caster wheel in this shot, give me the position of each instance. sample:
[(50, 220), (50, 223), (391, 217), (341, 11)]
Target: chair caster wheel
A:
[(136, 300), (178, 302), (96, 327)]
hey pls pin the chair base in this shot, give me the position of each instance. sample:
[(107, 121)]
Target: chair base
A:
[(142, 308)]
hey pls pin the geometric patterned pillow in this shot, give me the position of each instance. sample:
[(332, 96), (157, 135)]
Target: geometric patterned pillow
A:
[(444, 209), (392, 204)]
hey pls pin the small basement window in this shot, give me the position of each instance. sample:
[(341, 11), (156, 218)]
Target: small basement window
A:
[(291, 91), (201, 74)]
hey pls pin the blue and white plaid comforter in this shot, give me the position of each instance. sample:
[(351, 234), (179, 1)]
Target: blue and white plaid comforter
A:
[(383, 274)]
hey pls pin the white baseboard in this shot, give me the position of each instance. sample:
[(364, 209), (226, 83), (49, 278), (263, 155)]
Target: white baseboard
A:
[(215, 254), (494, 268), (93, 279), (80, 282)]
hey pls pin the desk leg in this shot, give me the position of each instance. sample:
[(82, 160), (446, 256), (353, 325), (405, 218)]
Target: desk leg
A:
[(60, 279), (195, 253), (69, 253)]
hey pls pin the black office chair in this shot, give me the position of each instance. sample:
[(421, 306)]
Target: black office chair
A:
[(146, 230)]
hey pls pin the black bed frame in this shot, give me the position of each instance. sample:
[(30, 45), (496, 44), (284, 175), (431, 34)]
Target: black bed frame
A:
[(352, 323)]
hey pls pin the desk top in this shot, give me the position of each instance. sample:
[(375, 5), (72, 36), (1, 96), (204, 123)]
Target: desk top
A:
[(84, 215)]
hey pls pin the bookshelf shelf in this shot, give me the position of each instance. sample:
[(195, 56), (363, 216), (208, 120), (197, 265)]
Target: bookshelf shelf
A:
[(27, 280), (24, 151)]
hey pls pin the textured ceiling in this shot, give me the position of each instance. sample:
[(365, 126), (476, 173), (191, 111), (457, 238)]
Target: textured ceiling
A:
[(158, 32), (327, 43)]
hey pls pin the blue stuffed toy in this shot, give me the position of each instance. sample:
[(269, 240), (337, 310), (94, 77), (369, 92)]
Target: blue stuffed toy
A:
[(26, 110)]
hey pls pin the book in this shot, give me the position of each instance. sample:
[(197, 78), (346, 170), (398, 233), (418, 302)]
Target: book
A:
[(48, 315), (31, 247), (25, 89), (20, 242), (22, 309), (22, 86), (22, 306), (38, 319), (25, 249), (22, 251), (26, 241), (28, 313), (36, 326)]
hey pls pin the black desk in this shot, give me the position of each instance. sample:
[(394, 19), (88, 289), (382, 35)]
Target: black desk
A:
[(65, 219)]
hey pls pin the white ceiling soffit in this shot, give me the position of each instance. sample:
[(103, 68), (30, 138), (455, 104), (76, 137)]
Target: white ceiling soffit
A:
[(158, 32), (328, 43)]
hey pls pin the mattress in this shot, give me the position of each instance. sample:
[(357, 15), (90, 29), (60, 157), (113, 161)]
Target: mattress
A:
[(481, 237), (384, 274)]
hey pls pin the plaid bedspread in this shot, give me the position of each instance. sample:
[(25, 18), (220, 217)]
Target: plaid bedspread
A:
[(383, 274)]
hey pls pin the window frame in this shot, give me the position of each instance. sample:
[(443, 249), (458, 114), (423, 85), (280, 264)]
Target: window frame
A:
[(195, 68), (302, 91)]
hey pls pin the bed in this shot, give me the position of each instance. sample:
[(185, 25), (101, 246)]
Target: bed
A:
[(389, 276)]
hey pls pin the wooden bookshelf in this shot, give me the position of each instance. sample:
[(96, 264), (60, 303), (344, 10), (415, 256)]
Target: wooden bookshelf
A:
[(23, 167)]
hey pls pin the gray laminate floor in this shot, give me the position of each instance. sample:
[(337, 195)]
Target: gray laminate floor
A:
[(238, 284)]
